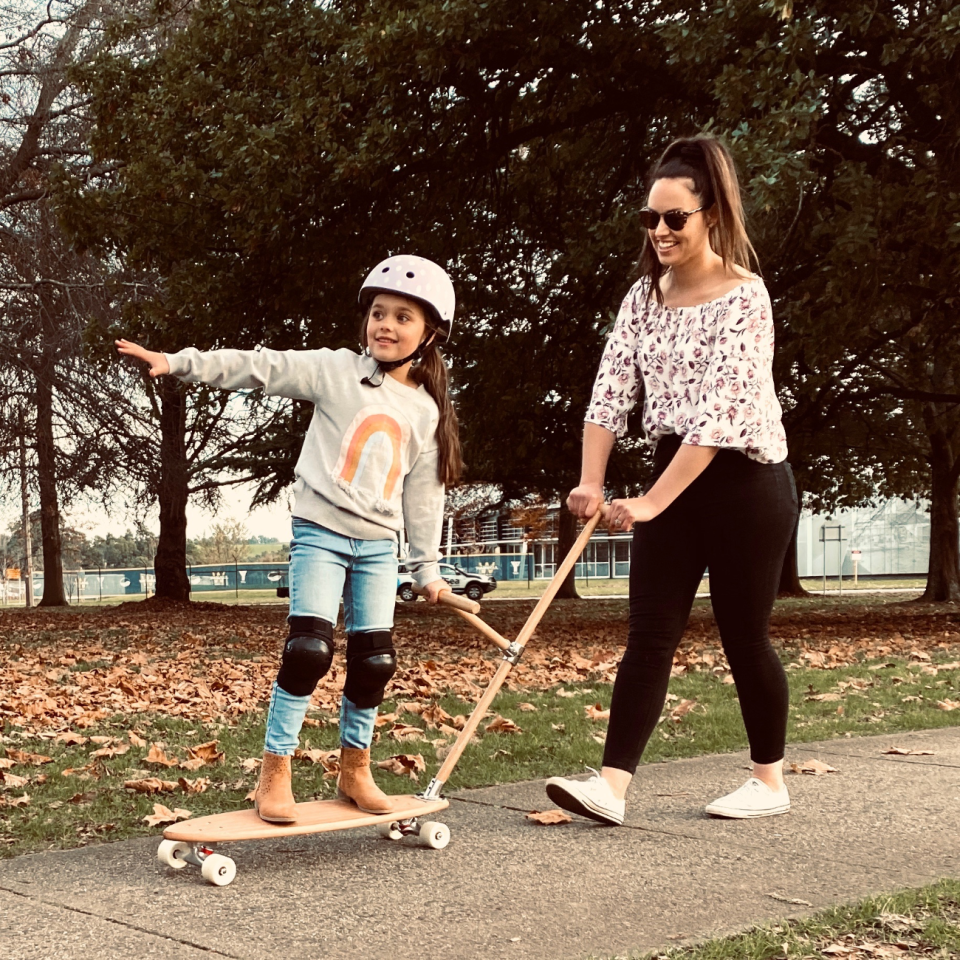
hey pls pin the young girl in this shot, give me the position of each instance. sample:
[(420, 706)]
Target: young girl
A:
[(381, 447), (695, 333)]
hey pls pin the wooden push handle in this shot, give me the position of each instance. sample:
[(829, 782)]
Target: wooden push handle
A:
[(449, 599), (480, 710)]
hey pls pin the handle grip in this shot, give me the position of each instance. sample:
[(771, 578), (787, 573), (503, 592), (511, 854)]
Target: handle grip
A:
[(449, 599)]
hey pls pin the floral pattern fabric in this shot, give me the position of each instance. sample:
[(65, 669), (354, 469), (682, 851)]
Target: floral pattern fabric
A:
[(706, 372)]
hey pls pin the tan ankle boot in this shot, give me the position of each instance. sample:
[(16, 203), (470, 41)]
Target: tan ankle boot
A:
[(274, 797), (356, 782)]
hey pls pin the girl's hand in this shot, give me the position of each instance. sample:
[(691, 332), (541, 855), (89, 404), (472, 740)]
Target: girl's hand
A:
[(585, 500), (623, 514), (157, 361), (432, 591)]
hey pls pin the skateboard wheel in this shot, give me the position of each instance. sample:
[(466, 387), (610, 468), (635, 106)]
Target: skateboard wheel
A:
[(170, 853), (389, 830), (434, 835), (218, 870)]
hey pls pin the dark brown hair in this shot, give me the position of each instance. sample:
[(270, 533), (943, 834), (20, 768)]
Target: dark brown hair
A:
[(707, 162), (431, 371)]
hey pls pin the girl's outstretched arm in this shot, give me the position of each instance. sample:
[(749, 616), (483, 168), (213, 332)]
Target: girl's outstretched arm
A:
[(157, 361)]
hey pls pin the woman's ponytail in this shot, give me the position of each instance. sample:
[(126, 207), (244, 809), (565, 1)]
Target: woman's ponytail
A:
[(707, 162)]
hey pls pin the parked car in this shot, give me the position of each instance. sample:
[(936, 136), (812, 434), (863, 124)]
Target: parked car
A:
[(473, 585)]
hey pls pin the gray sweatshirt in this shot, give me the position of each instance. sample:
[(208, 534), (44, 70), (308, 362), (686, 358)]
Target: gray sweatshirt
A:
[(368, 465)]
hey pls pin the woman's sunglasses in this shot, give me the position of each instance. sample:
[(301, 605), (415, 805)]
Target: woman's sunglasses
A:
[(674, 219)]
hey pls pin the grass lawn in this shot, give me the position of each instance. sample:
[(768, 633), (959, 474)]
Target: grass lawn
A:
[(105, 712), (85, 694), (521, 589), (909, 924), (68, 788)]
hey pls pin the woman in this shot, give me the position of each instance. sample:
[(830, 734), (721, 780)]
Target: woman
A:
[(696, 333)]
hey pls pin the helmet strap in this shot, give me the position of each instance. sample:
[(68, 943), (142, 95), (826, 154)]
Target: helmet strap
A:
[(385, 368)]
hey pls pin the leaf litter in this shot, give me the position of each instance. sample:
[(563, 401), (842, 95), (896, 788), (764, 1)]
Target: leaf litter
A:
[(62, 673), (208, 662)]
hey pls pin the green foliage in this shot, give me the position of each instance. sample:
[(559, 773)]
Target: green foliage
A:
[(271, 152), (134, 549), (846, 118)]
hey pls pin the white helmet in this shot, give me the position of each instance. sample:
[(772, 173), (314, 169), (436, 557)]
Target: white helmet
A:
[(417, 278)]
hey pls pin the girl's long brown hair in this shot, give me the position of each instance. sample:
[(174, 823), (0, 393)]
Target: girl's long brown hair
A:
[(707, 162), (431, 371)]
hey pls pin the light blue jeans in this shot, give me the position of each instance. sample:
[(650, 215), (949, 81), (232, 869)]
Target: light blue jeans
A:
[(325, 566)]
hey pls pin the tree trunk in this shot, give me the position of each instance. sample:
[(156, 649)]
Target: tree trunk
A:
[(170, 562), (566, 538), (790, 585), (53, 592), (943, 576)]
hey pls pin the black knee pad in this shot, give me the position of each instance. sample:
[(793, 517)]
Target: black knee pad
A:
[(307, 655), (371, 662)]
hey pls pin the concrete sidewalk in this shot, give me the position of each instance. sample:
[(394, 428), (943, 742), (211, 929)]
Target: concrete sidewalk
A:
[(505, 888)]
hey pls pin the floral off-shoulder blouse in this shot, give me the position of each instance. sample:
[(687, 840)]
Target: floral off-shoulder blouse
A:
[(706, 372)]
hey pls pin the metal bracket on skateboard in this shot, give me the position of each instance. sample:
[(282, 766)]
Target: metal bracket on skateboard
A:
[(432, 792)]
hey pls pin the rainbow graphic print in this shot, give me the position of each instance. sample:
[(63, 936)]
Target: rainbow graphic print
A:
[(372, 454)]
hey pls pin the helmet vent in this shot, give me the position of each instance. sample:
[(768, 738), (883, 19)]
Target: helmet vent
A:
[(410, 274), (385, 270)]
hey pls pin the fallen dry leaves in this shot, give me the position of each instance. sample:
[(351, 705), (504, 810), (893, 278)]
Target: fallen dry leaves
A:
[(150, 785), (207, 662), (156, 755), (595, 711), (328, 759), (682, 709), (162, 815), (549, 817), (403, 732), (23, 801), (813, 767), (906, 752), (404, 765), (22, 756), (199, 785), (502, 725)]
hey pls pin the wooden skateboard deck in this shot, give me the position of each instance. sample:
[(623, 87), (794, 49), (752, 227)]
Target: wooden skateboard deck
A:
[(316, 816), (192, 841)]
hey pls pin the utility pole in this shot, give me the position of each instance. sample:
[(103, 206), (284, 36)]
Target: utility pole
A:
[(27, 539)]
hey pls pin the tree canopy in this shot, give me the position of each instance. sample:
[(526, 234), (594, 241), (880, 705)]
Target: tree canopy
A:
[(272, 151)]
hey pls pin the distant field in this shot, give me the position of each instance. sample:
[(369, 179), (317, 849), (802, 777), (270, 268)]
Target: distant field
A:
[(255, 550)]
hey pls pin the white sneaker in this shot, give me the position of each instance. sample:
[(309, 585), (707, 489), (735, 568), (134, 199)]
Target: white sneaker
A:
[(591, 798), (753, 799)]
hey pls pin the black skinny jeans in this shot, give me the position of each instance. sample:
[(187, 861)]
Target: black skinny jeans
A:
[(737, 518)]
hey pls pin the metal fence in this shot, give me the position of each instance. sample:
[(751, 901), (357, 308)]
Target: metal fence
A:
[(892, 539), (96, 584)]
